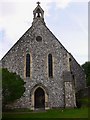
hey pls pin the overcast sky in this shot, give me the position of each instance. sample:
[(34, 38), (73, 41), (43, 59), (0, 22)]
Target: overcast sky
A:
[(67, 19)]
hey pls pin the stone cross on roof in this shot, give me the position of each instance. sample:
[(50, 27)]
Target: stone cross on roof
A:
[(38, 2)]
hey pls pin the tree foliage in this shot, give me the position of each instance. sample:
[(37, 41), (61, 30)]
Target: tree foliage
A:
[(12, 86), (86, 68)]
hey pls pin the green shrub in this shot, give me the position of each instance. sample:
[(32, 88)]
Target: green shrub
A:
[(86, 68), (12, 86)]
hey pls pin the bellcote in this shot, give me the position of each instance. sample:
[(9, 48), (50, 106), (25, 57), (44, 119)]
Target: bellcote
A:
[(38, 12)]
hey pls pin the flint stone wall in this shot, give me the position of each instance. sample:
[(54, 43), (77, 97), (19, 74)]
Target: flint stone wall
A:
[(14, 61)]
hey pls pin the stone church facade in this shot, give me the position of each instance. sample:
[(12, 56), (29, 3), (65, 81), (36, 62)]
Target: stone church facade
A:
[(51, 73)]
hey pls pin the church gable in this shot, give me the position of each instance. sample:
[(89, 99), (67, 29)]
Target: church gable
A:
[(37, 40)]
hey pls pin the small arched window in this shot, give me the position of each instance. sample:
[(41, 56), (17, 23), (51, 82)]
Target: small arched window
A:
[(28, 65), (50, 65)]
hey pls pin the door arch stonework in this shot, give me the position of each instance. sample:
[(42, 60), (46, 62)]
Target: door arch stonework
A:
[(33, 97), (39, 98)]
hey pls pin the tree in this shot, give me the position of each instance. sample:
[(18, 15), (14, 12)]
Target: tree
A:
[(86, 68), (12, 86)]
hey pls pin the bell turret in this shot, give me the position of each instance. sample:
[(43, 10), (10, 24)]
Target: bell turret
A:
[(38, 12)]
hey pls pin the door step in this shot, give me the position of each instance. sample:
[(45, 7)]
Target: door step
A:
[(39, 110)]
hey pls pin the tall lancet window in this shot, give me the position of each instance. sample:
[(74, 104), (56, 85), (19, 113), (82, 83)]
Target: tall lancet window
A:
[(50, 65), (28, 65)]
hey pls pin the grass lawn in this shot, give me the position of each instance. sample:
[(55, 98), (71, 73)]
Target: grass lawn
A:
[(54, 113)]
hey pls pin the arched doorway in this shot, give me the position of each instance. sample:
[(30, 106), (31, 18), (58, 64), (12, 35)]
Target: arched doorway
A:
[(39, 98)]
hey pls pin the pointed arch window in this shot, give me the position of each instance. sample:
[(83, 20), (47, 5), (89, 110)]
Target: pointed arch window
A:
[(28, 65), (50, 65)]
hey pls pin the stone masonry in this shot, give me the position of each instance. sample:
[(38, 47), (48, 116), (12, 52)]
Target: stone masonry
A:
[(68, 76)]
